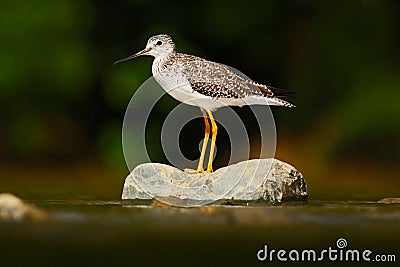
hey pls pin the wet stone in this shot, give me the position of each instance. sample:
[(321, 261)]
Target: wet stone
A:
[(257, 180), (390, 200), (13, 208)]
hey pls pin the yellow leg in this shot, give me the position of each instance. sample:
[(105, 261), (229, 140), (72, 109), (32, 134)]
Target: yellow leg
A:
[(205, 142), (214, 130)]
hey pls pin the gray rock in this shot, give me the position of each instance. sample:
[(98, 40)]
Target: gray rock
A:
[(14, 209), (265, 180)]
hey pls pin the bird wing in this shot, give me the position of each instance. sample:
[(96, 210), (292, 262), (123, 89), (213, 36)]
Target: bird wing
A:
[(219, 80), (266, 90)]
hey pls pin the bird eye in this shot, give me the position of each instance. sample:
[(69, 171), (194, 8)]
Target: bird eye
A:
[(159, 43)]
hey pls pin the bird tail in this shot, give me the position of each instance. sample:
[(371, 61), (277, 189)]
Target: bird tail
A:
[(284, 103), (278, 92)]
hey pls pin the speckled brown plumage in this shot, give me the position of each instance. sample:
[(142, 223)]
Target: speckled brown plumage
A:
[(218, 80)]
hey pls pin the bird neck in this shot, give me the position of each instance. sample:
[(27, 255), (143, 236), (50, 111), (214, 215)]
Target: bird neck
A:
[(166, 56), (160, 63), (163, 60)]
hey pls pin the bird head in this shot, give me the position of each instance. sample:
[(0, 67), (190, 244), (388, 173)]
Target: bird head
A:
[(157, 46)]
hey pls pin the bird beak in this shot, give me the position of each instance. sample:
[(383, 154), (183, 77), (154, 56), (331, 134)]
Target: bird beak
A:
[(138, 54)]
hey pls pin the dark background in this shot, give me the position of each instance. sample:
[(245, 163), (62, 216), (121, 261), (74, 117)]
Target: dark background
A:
[(62, 104), (62, 101)]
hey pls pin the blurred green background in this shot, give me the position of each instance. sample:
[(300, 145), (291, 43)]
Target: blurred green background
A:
[(62, 101)]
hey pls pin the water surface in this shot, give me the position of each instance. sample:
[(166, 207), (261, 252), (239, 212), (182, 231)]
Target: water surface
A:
[(103, 232)]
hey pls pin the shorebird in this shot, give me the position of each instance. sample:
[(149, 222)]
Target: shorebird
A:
[(205, 84)]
